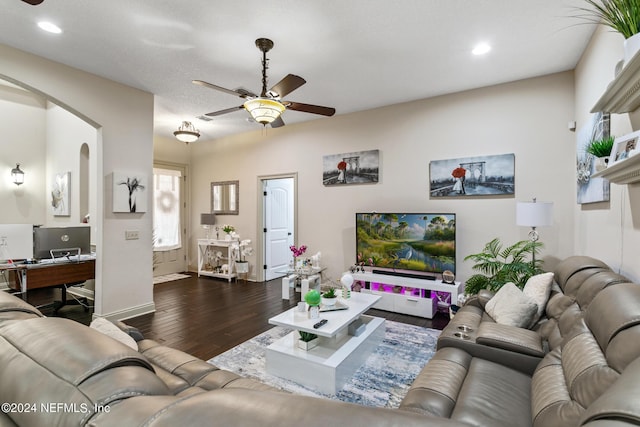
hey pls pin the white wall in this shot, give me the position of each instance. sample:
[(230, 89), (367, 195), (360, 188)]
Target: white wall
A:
[(123, 117), (528, 118), (171, 150), (23, 133), (65, 135), (611, 230)]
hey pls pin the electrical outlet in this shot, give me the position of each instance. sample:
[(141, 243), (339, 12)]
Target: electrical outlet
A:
[(131, 235)]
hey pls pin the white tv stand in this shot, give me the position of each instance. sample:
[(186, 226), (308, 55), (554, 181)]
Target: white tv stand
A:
[(415, 305)]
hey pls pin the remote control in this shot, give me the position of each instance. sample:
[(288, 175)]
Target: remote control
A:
[(320, 323)]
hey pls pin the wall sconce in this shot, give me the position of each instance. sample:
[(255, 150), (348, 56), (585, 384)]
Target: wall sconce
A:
[(17, 175)]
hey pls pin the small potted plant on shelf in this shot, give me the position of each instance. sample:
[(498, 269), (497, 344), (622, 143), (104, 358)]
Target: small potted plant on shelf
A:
[(228, 229), (622, 16), (307, 340), (601, 149), (329, 297)]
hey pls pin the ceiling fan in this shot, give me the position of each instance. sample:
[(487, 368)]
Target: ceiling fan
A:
[(33, 2), (268, 107)]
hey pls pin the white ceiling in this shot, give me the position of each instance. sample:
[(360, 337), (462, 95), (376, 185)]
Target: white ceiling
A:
[(354, 54)]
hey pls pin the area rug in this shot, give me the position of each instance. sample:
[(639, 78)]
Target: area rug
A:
[(169, 278), (382, 381)]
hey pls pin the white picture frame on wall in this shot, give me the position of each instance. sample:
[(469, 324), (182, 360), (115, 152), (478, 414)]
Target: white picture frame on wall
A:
[(129, 192), (60, 203), (624, 147)]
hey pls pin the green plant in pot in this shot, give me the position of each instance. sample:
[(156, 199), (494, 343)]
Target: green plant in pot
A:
[(498, 265), (307, 336), (601, 149), (623, 16), (307, 341), (329, 297)]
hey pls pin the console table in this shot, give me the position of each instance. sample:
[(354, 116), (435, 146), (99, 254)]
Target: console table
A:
[(208, 246), (408, 302)]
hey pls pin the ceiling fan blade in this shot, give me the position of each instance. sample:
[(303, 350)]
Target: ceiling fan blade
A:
[(242, 93), (225, 111), (277, 123), (33, 2), (308, 108), (287, 85)]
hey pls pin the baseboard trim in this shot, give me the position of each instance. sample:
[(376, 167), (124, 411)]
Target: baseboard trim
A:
[(130, 312)]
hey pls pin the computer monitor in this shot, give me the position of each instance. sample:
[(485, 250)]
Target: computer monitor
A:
[(16, 242), (47, 239)]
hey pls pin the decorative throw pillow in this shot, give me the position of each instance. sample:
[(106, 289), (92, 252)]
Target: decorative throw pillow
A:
[(104, 326), (537, 288), (510, 306)]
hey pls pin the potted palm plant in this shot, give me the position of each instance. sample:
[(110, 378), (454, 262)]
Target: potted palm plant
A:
[(498, 265), (623, 16), (601, 149)]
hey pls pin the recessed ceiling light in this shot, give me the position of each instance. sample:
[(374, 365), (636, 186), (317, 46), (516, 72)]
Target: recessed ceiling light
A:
[(49, 27), (481, 49)]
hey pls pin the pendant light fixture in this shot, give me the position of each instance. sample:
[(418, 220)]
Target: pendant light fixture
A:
[(187, 133)]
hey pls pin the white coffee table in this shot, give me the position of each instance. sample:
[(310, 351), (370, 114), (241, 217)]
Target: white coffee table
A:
[(338, 355)]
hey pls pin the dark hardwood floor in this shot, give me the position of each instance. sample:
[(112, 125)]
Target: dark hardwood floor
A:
[(206, 317)]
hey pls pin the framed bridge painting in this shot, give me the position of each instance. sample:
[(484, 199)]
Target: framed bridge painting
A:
[(473, 176), (360, 167)]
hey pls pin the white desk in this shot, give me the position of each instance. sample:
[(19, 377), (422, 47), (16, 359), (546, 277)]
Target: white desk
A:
[(338, 355)]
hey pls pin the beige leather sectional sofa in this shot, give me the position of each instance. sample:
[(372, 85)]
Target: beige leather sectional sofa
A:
[(57, 372)]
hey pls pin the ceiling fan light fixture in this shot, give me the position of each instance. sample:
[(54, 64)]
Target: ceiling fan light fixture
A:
[(264, 110), (187, 133)]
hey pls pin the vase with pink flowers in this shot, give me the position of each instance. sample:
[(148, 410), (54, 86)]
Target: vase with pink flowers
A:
[(297, 251)]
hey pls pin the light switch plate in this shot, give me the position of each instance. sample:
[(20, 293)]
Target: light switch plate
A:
[(131, 235)]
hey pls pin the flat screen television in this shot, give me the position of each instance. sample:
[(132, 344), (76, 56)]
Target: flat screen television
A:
[(410, 244), (46, 239)]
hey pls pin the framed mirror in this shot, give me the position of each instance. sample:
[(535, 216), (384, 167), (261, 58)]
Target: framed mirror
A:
[(225, 197)]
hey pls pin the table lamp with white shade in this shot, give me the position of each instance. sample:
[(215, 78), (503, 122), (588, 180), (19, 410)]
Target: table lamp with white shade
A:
[(534, 214), (206, 221)]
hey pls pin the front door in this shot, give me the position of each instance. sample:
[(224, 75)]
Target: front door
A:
[(169, 213), (279, 227)]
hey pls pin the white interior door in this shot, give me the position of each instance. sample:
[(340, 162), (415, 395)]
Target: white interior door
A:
[(169, 211), (279, 201)]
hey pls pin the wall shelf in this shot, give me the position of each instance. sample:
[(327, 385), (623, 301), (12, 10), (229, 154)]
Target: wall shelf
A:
[(623, 93), (626, 171)]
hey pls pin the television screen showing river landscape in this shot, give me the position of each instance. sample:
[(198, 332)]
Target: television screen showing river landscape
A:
[(473, 176), (407, 241), (351, 168)]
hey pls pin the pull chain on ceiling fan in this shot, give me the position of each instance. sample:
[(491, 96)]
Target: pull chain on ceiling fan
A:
[(269, 106), (264, 110)]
